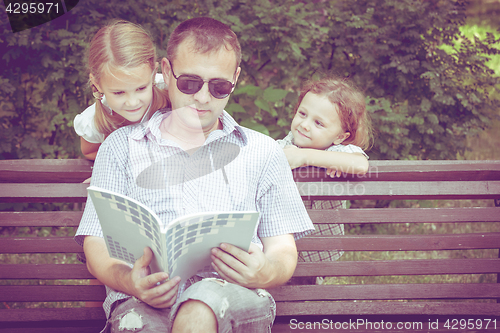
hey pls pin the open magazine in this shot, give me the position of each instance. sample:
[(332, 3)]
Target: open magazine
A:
[(183, 248)]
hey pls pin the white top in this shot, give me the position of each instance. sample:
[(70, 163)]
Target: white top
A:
[(84, 122), (288, 141)]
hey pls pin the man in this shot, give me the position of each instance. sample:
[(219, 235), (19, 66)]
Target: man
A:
[(201, 71)]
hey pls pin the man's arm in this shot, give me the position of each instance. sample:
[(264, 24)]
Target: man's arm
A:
[(134, 281), (257, 269)]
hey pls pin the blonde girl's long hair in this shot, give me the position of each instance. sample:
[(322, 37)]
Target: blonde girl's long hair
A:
[(351, 108), (121, 46)]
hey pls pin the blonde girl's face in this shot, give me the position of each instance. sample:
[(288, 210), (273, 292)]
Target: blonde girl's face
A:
[(317, 124), (128, 94)]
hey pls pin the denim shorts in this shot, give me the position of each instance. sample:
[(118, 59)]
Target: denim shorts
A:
[(238, 309)]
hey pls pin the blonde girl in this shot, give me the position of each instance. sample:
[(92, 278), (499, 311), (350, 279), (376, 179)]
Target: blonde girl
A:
[(122, 65), (330, 129)]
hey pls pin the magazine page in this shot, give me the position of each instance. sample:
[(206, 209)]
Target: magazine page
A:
[(128, 227), (190, 239)]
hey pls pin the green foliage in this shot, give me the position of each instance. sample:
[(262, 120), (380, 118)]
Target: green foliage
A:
[(425, 92)]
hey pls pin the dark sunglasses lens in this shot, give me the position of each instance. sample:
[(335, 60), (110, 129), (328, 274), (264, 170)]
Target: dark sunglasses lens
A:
[(189, 85), (220, 88)]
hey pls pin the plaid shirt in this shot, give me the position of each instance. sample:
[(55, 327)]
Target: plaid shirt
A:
[(330, 228), (138, 162)]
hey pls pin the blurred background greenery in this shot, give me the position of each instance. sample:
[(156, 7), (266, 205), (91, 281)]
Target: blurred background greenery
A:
[(429, 69)]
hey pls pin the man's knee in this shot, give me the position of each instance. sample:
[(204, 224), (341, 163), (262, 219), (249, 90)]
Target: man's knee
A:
[(193, 315), (193, 306)]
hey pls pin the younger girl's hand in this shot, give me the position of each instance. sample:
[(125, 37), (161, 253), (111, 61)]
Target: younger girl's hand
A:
[(295, 156), (333, 172)]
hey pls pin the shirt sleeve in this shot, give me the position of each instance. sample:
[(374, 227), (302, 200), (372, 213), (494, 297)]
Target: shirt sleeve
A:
[(279, 202), (85, 126), (109, 172)]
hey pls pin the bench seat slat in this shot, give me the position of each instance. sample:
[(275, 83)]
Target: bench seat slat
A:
[(388, 291)]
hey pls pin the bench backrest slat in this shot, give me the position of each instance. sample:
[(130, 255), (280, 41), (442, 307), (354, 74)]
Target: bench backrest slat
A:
[(40, 219), (11, 192), (358, 310), (433, 242), (336, 268), (285, 293), (346, 243), (400, 267), (30, 293), (44, 271), (60, 181), (43, 192), (358, 216), (61, 171), (399, 190), (388, 291)]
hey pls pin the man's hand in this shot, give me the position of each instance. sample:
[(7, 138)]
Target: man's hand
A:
[(257, 269), (153, 289), (234, 265)]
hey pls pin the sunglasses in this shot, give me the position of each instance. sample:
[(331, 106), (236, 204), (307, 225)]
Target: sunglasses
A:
[(191, 84)]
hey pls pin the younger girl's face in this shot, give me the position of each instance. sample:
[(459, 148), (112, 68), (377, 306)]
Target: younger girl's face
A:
[(128, 94), (317, 124)]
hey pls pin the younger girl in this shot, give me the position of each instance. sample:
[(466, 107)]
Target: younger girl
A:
[(124, 81), (330, 129)]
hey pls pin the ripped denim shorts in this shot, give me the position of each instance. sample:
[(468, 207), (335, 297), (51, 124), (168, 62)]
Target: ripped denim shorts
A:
[(238, 309)]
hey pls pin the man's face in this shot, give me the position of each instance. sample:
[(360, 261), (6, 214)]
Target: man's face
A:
[(200, 108)]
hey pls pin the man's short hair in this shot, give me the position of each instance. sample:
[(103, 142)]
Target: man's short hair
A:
[(207, 34)]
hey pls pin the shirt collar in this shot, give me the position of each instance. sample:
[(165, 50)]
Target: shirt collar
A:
[(151, 128)]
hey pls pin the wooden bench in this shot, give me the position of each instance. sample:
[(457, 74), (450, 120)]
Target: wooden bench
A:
[(354, 302)]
